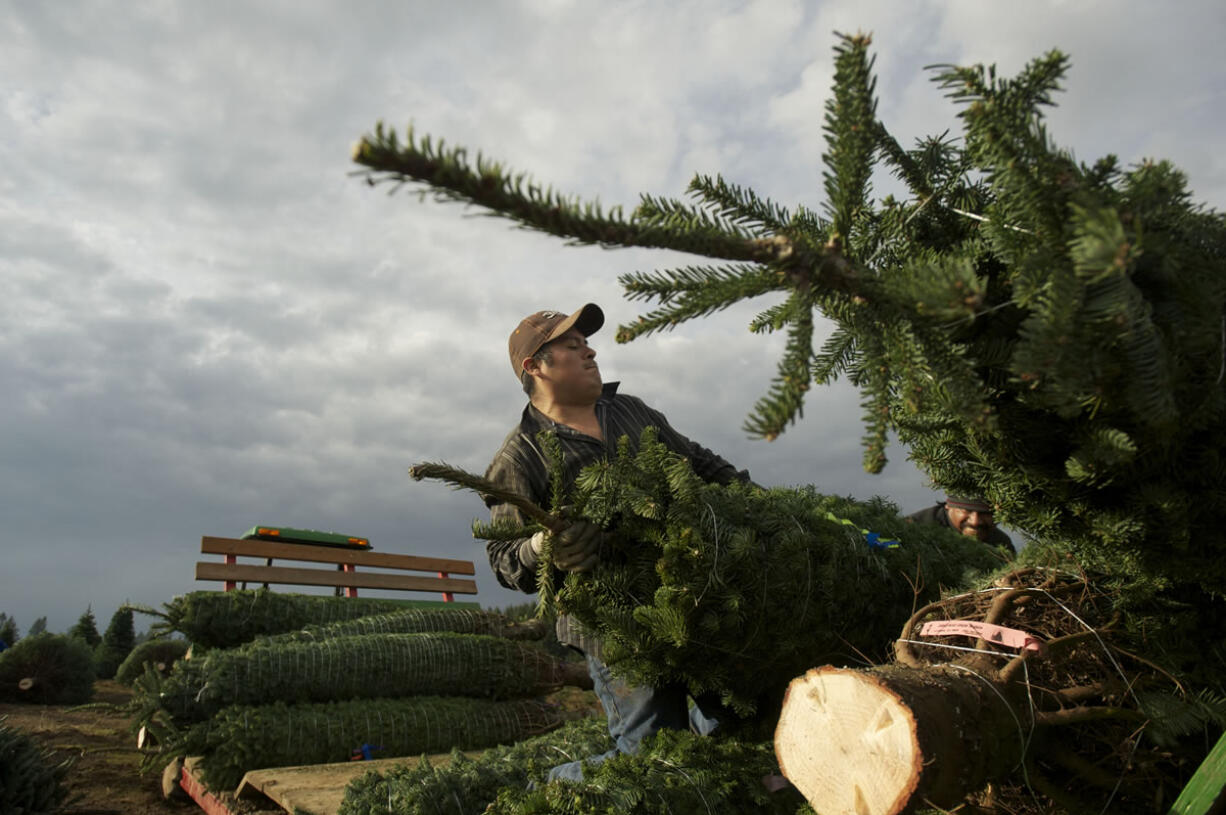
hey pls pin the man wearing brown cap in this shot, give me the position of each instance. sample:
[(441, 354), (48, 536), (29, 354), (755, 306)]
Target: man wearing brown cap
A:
[(552, 360), (973, 516)]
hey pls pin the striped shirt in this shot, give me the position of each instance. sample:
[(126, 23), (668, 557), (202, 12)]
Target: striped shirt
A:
[(522, 467)]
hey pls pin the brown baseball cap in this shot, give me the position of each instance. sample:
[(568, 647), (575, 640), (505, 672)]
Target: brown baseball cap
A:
[(970, 503), (545, 326)]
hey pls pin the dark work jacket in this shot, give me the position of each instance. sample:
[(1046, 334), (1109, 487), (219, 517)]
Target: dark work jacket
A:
[(936, 515), (522, 467)]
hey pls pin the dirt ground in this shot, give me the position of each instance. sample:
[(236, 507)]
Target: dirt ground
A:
[(105, 778)]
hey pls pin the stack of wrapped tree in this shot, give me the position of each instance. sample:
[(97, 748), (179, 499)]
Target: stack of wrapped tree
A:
[(296, 679)]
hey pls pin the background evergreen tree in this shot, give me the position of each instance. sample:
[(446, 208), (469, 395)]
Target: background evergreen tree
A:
[(117, 643), (37, 627), (8, 629), (86, 629)]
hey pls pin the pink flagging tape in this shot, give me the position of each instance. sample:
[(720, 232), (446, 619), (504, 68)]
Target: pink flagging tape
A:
[(999, 635)]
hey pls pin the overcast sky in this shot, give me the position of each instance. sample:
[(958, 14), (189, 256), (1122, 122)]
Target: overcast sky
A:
[(206, 322)]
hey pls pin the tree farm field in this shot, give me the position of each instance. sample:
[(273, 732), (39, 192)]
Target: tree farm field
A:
[(105, 776)]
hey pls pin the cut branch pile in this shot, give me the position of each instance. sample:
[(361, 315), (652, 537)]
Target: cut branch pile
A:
[(470, 784), (674, 772)]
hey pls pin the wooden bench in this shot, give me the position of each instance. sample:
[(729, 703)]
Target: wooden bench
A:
[(344, 576)]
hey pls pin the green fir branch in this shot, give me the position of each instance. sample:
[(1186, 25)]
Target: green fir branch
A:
[(851, 129), (675, 215), (448, 175), (741, 204), (784, 403), (488, 490), (692, 292)]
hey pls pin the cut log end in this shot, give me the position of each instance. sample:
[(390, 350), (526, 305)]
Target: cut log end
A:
[(848, 743), (171, 789), (26, 683)]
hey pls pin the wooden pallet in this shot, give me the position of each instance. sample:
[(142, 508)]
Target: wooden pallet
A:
[(312, 789)]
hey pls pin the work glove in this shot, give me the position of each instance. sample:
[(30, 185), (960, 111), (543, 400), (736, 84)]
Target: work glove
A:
[(576, 547)]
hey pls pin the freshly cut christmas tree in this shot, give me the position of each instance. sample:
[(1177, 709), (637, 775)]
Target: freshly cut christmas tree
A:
[(733, 590), (1040, 331), (1048, 333)]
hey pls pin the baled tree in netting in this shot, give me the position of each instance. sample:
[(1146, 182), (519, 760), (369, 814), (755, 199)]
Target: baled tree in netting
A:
[(224, 619), (1044, 332), (159, 654), (369, 666), (241, 738)]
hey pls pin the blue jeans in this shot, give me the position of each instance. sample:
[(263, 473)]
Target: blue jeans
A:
[(634, 713)]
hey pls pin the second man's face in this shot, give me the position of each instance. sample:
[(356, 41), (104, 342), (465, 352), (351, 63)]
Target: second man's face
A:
[(971, 522), (572, 369)]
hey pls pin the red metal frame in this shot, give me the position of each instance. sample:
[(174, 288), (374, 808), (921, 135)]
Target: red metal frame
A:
[(209, 802), (350, 591), (448, 597)]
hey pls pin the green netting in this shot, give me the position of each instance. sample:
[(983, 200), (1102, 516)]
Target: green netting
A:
[(412, 621), (223, 619), (356, 667), (243, 738), (468, 785)]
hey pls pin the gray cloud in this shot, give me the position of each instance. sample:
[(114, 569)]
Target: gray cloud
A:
[(207, 323)]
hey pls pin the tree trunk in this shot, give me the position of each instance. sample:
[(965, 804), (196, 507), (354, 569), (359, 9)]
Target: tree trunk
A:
[(884, 740)]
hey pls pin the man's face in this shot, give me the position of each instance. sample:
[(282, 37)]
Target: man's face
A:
[(571, 373), (971, 522)]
